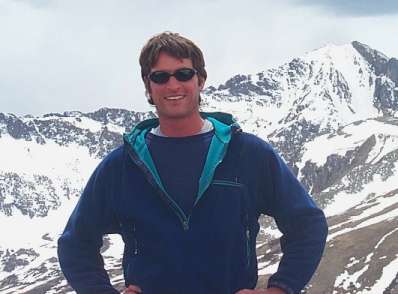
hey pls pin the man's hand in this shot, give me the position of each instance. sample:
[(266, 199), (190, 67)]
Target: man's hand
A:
[(262, 291), (132, 289)]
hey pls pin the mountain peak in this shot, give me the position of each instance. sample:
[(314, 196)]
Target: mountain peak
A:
[(361, 47), (375, 58)]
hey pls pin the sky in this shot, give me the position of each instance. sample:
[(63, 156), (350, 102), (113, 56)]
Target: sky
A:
[(64, 55)]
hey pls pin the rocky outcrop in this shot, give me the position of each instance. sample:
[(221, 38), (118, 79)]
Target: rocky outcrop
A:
[(318, 178), (386, 83), (377, 59)]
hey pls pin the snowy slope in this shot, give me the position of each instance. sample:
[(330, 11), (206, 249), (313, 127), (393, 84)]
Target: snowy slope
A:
[(45, 163), (353, 173)]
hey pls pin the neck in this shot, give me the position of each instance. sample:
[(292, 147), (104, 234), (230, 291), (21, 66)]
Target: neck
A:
[(181, 127)]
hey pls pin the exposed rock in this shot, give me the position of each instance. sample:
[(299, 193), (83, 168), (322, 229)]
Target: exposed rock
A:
[(392, 70), (377, 59), (316, 179), (289, 141), (385, 97), (22, 257)]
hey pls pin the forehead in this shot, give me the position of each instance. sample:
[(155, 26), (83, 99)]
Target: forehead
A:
[(167, 62)]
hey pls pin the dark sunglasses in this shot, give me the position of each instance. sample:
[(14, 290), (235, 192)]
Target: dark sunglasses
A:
[(182, 75)]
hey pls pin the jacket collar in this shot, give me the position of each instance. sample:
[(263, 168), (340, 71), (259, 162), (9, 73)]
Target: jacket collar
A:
[(224, 126)]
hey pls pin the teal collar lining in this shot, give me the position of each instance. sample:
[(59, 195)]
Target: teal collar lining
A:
[(217, 149), (216, 153)]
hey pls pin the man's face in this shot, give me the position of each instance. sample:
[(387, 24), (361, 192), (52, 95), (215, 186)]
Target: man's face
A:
[(175, 99)]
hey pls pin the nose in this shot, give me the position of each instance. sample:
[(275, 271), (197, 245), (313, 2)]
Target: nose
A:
[(173, 84)]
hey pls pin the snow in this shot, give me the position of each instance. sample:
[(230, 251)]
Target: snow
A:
[(384, 145), (348, 277), (271, 232), (25, 232), (342, 64), (266, 268), (350, 137), (343, 201), (388, 216), (52, 160), (250, 117), (320, 73), (382, 239), (388, 275), (345, 279), (116, 247), (76, 120), (381, 204)]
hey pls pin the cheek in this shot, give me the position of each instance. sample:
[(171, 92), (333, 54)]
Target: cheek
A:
[(154, 89)]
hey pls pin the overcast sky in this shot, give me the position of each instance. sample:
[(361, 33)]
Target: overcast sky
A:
[(61, 55)]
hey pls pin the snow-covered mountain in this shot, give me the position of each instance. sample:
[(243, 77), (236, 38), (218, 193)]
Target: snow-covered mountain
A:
[(332, 114)]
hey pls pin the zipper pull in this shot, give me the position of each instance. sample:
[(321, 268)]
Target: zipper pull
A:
[(185, 225)]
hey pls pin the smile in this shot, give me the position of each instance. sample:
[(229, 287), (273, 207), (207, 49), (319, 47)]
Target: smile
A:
[(174, 97)]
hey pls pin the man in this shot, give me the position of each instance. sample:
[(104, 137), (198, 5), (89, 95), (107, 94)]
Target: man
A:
[(185, 192)]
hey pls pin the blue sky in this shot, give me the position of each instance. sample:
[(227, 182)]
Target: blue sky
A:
[(59, 55)]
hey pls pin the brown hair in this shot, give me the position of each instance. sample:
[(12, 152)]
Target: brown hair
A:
[(175, 45)]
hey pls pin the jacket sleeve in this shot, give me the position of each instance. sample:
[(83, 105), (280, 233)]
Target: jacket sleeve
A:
[(301, 222), (79, 245)]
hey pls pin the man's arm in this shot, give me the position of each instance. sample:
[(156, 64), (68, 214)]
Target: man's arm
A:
[(301, 222), (79, 246)]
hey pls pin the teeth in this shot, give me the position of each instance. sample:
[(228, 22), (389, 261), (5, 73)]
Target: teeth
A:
[(174, 97)]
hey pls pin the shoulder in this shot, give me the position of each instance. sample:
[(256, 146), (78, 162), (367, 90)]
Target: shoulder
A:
[(253, 143), (113, 161)]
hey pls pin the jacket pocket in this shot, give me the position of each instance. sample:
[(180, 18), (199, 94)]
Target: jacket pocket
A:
[(245, 217), (131, 250), (239, 221), (129, 236), (227, 183)]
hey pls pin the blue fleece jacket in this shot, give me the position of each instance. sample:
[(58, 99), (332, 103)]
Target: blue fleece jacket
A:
[(211, 249)]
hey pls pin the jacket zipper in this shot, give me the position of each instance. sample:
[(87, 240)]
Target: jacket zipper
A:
[(170, 202), (135, 251)]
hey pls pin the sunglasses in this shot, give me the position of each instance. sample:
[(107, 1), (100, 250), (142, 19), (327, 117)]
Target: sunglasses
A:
[(181, 75)]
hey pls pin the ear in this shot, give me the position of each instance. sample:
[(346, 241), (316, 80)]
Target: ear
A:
[(201, 83)]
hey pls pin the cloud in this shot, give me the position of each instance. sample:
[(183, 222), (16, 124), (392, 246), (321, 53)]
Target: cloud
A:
[(36, 3), (63, 55), (354, 7)]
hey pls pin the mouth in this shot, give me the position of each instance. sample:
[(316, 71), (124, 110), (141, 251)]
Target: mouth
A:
[(176, 97)]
